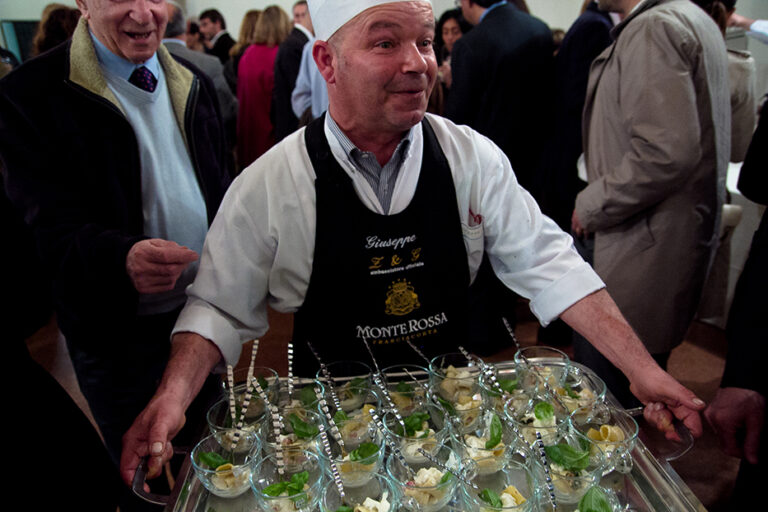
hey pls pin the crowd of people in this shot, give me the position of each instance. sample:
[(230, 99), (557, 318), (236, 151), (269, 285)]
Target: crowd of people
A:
[(581, 170)]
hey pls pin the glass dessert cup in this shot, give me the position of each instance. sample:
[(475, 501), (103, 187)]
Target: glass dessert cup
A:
[(303, 398), (506, 376), (379, 487), (266, 377), (343, 375), (358, 465), (514, 477), (580, 389), (430, 430), (575, 466), (429, 489), (220, 423), (406, 394), (608, 429), (304, 466), (226, 473), (354, 418), (489, 445), (541, 415), (547, 363), (451, 377), (299, 432)]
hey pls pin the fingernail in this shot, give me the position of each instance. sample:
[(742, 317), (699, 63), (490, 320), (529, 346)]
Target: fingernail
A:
[(657, 406), (157, 448), (699, 402)]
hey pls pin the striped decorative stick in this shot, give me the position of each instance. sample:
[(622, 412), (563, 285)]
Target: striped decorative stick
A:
[(331, 422), (247, 398), (329, 453), (326, 376)]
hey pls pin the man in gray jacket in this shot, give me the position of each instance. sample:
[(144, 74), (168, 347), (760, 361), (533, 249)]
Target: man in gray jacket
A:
[(175, 43), (656, 142)]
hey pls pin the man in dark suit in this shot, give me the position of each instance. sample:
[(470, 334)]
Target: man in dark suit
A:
[(287, 65), (218, 42), (502, 78), (502, 75), (586, 39)]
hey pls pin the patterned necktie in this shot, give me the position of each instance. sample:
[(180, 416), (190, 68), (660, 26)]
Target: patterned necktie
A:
[(143, 79)]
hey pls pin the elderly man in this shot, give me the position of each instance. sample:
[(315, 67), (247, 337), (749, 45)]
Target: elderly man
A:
[(114, 152), (371, 223), (656, 144)]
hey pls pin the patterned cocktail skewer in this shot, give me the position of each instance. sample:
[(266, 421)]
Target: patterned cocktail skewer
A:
[(277, 425), (331, 422), (290, 370), (532, 367), (491, 376), (419, 352), (547, 474), (326, 376), (391, 443), (378, 379), (231, 383), (332, 463), (455, 472), (247, 397)]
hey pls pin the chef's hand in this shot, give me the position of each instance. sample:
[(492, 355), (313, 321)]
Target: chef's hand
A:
[(664, 398), (155, 265), (151, 435), (736, 415), (576, 226), (192, 359)]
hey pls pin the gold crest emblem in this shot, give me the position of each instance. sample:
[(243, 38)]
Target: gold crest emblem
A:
[(401, 298)]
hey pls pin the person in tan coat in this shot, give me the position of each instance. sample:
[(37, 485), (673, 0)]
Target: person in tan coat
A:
[(656, 142)]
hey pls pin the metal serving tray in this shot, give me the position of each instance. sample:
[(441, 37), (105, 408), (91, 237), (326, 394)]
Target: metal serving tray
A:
[(652, 485)]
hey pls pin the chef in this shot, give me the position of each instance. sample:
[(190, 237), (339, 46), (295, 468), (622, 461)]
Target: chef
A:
[(370, 224)]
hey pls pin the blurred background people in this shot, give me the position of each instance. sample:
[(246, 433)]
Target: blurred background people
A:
[(217, 40), (246, 38), (449, 29), (175, 41), (57, 24), (194, 38), (255, 81), (287, 65)]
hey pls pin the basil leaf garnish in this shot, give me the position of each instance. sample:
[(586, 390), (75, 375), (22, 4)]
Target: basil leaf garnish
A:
[(363, 451), (212, 459), (543, 411), (302, 429), (491, 498), (570, 458), (307, 395), (494, 437), (594, 501)]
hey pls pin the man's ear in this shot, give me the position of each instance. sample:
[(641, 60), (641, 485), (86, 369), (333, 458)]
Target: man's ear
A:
[(325, 58), (84, 12)]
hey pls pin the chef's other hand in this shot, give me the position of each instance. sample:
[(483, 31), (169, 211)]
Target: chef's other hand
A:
[(737, 415), (151, 435), (154, 265), (664, 397)]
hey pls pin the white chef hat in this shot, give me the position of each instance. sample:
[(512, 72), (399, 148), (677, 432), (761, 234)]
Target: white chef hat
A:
[(328, 16)]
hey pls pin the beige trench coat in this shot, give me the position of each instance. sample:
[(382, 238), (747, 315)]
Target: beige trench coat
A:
[(657, 141)]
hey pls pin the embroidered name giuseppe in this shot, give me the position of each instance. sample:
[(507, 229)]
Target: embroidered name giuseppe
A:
[(401, 329), (374, 242)]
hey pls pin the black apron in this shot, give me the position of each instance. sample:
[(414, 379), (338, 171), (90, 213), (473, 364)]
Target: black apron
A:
[(385, 278)]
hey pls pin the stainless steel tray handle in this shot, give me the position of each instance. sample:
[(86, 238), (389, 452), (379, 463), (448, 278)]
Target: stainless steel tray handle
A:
[(140, 478)]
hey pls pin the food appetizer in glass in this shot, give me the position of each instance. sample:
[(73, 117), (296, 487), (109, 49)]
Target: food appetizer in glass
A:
[(224, 472), (377, 495), (299, 488), (425, 429), (430, 488)]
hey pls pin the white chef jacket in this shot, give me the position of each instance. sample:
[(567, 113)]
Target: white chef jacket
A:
[(260, 246)]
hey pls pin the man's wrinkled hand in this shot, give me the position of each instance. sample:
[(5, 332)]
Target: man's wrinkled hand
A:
[(150, 435), (576, 226), (155, 265), (665, 399), (737, 415)]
